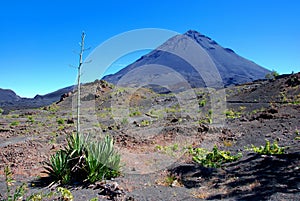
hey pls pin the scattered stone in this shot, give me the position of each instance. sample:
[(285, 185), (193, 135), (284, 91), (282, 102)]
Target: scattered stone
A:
[(70, 121)]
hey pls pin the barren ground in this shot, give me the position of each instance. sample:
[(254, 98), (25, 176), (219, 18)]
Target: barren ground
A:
[(261, 110)]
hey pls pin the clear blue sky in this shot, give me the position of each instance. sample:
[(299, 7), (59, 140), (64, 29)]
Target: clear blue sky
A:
[(38, 37)]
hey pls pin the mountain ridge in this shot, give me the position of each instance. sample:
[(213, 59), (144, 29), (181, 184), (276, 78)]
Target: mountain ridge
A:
[(9, 100)]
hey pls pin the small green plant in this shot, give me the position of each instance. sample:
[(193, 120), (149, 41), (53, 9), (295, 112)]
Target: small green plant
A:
[(20, 190), (15, 123), (61, 127), (15, 116), (145, 122), (227, 143), (272, 76), (268, 149), (30, 119), (207, 120), (1, 111), (135, 113), (232, 114), (52, 108), (242, 108), (155, 113), (202, 103), (60, 121), (214, 158), (66, 195), (124, 121), (171, 180), (170, 150)]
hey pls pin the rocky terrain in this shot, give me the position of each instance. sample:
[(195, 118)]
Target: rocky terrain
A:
[(154, 132)]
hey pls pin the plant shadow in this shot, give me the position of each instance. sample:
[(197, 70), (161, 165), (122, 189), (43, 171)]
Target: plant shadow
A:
[(255, 177)]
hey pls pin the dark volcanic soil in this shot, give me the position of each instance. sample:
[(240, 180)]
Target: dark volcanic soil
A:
[(259, 111)]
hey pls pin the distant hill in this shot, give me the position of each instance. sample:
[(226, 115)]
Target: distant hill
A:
[(7, 95), (9, 100), (199, 60)]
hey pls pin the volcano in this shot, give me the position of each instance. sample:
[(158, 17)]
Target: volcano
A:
[(189, 60)]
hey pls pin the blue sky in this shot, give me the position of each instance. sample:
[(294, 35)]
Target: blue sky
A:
[(38, 37)]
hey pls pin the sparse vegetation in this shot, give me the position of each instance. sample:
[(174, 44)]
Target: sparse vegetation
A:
[(15, 123), (214, 158), (60, 121), (172, 180), (124, 121), (135, 113), (20, 191), (30, 119), (145, 122), (52, 108), (202, 103), (16, 194), (15, 116), (170, 150), (231, 114), (79, 161), (155, 113), (268, 149), (272, 76), (1, 111)]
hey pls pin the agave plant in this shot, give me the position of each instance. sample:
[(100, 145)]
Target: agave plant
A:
[(83, 161), (58, 167), (102, 161), (76, 144)]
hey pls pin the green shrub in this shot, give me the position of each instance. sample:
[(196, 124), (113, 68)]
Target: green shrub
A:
[(145, 122), (1, 111), (60, 121), (135, 113), (84, 161), (202, 103), (15, 123), (268, 149), (30, 119), (172, 110), (272, 76), (232, 114), (66, 195), (170, 150), (52, 108), (214, 158)]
